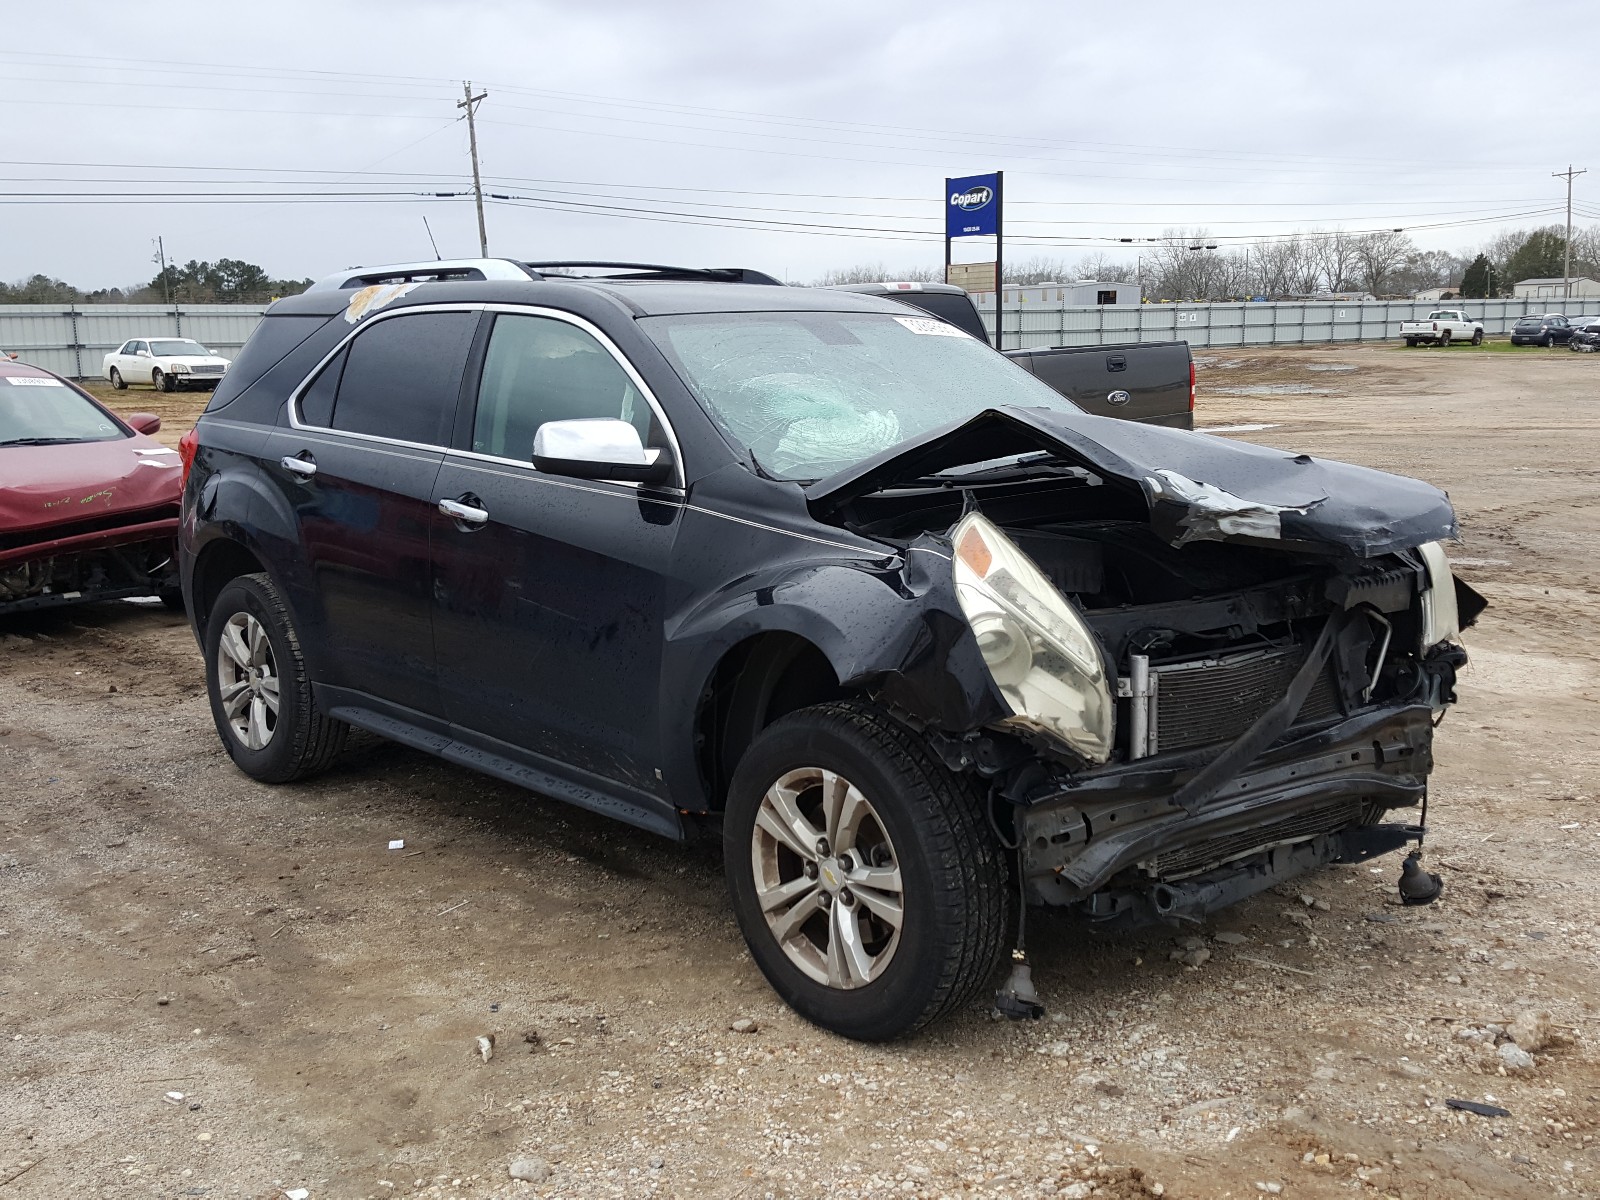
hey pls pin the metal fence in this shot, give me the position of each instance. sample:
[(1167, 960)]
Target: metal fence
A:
[(72, 339), (1036, 326)]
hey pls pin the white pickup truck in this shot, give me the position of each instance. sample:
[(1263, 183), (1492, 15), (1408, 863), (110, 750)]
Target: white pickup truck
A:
[(1443, 326)]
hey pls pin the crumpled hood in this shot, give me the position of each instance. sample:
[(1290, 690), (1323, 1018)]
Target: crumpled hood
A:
[(41, 486), (1199, 487)]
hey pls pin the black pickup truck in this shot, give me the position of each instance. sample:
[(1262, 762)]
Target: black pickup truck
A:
[(1152, 382)]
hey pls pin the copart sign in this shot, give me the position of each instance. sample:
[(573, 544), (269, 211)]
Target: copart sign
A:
[(972, 206)]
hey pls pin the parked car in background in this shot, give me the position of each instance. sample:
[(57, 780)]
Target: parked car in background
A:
[(1442, 327), (1585, 337), (1151, 382), (693, 549), (1548, 330), (88, 501), (165, 363)]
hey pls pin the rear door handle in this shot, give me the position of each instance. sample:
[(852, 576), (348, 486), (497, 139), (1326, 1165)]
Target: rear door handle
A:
[(302, 464), (468, 513)]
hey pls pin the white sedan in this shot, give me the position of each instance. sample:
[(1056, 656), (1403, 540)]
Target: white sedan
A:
[(165, 363)]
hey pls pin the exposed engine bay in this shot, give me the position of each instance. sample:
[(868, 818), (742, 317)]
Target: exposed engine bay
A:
[(1208, 698)]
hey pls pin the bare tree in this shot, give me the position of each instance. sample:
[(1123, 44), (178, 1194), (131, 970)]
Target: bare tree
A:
[(1378, 256), (878, 273), (1334, 252)]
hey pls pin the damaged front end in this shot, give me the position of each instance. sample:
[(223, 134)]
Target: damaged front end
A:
[(1221, 664)]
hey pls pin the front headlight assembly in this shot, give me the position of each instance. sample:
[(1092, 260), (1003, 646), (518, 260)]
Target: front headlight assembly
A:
[(1042, 656), (1441, 621), (180, 368)]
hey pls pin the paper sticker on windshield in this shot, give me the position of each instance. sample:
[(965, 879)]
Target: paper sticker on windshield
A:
[(370, 299), (32, 381), (931, 326)]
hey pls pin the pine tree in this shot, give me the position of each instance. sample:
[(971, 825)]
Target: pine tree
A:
[(1475, 279)]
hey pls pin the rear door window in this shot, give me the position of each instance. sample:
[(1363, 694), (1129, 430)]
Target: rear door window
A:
[(402, 376)]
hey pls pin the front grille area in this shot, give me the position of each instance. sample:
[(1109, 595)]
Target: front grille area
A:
[(213, 369), (160, 512), (1201, 856), (1198, 704)]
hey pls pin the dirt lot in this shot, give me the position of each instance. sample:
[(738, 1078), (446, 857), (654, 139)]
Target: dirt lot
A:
[(168, 926)]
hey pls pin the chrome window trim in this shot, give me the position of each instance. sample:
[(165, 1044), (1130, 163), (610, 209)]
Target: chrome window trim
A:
[(525, 310)]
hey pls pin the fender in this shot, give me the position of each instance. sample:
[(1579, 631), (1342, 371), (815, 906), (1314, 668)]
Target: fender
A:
[(895, 630)]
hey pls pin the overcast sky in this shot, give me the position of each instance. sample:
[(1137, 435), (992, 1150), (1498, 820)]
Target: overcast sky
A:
[(723, 120)]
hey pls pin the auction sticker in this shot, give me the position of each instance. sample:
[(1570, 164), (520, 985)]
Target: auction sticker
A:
[(32, 381), (931, 327)]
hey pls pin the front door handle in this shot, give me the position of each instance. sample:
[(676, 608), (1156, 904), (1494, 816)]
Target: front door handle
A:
[(302, 465), (468, 510)]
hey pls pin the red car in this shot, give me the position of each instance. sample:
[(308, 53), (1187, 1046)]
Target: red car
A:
[(88, 501)]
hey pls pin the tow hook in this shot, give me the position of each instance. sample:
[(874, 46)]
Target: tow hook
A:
[(1416, 885), (1017, 1001)]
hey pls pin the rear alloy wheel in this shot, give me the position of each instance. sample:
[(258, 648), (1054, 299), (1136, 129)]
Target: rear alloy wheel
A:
[(261, 698), (864, 877), (117, 381)]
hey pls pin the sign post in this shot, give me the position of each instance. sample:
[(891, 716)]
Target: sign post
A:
[(973, 208)]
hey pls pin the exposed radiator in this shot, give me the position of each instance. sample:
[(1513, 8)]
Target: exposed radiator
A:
[(1215, 700)]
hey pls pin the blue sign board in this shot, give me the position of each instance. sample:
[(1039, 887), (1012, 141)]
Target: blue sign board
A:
[(972, 206)]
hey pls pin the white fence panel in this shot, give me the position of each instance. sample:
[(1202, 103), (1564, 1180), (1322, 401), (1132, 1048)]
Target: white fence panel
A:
[(72, 340)]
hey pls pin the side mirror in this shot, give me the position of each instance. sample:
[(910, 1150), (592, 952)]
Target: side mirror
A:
[(144, 422), (599, 448), (142, 353)]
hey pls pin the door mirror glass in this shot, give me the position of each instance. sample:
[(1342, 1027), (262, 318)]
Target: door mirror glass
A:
[(144, 422), (598, 448)]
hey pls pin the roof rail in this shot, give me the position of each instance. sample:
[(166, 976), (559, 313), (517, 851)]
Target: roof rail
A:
[(438, 269), (632, 270)]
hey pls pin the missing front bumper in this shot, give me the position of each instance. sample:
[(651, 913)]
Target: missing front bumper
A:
[(1118, 829)]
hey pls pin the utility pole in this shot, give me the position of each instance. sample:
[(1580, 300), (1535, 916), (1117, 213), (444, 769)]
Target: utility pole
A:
[(1566, 255), (161, 257), (471, 105)]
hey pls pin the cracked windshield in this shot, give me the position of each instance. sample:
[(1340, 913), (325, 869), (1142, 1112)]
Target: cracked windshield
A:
[(809, 394)]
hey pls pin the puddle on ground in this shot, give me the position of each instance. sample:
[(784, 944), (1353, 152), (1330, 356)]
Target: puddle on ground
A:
[(1331, 366), (1207, 362), (1273, 389)]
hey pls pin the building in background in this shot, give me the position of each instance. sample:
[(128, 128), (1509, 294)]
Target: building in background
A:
[(1555, 288)]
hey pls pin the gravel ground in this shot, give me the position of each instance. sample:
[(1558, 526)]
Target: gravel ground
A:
[(214, 988)]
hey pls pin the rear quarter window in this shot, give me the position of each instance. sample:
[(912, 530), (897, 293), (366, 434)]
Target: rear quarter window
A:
[(273, 340)]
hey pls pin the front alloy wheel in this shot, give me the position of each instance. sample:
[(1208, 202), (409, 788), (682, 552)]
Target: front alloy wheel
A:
[(827, 878), (864, 875)]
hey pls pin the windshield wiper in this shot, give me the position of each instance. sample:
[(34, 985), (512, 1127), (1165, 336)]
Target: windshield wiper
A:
[(41, 441)]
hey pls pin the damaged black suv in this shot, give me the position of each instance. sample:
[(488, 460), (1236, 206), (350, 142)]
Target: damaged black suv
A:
[(690, 546)]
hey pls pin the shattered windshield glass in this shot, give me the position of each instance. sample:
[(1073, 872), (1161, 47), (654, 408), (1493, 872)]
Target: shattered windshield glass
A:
[(812, 393)]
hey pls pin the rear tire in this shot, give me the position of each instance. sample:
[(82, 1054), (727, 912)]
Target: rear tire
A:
[(909, 843), (1412, 342), (1444, 338), (260, 666), (117, 381)]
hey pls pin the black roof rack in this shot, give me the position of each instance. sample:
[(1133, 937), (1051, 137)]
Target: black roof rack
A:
[(632, 270)]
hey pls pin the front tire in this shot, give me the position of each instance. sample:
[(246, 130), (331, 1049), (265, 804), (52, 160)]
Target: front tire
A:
[(261, 698), (117, 381), (1477, 337), (864, 876), (161, 381)]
